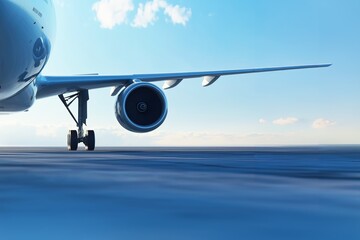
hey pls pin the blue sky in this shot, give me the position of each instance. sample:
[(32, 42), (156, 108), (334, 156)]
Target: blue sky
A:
[(319, 106)]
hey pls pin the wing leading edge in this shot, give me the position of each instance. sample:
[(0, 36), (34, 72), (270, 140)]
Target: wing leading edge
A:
[(56, 85)]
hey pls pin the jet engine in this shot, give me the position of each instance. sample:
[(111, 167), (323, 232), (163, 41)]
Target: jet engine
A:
[(141, 107)]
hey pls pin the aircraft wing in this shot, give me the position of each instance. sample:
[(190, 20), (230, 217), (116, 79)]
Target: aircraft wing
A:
[(57, 85)]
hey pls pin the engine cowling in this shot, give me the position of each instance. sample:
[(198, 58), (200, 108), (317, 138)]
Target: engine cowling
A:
[(141, 107)]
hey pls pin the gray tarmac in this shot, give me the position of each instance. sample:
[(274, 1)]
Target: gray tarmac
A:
[(180, 193)]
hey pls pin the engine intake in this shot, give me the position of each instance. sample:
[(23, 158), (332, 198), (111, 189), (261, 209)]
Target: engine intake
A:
[(141, 107)]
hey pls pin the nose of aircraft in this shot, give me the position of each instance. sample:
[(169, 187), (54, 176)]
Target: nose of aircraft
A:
[(6, 41), (22, 48)]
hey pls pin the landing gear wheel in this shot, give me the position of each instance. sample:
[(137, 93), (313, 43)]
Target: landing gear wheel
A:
[(90, 140), (72, 140)]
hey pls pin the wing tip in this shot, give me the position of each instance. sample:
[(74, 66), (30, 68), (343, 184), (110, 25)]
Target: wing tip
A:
[(327, 65)]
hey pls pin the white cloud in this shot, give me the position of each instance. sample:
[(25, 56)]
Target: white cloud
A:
[(285, 121), (115, 12), (147, 13), (48, 130), (112, 12), (322, 123), (23, 133), (178, 15), (262, 121)]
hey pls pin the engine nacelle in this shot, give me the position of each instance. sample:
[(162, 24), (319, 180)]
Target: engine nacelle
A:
[(141, 107)]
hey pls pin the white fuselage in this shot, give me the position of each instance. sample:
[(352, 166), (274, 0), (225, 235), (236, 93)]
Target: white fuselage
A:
[(26, 32)]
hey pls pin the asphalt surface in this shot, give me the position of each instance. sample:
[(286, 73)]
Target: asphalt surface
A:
[(180, 193)]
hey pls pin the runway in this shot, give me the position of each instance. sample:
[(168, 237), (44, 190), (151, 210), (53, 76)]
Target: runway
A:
[(180, 193)]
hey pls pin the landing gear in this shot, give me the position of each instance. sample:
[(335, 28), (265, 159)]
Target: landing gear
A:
[(79, 136)]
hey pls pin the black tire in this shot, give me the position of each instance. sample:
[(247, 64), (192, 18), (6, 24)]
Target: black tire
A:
[(90, 140), (72, 140)]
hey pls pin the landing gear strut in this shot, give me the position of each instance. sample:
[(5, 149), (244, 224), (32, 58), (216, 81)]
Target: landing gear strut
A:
[(80, 136)]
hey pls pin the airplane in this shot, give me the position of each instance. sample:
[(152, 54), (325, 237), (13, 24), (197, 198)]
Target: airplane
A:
[(27, 31)]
